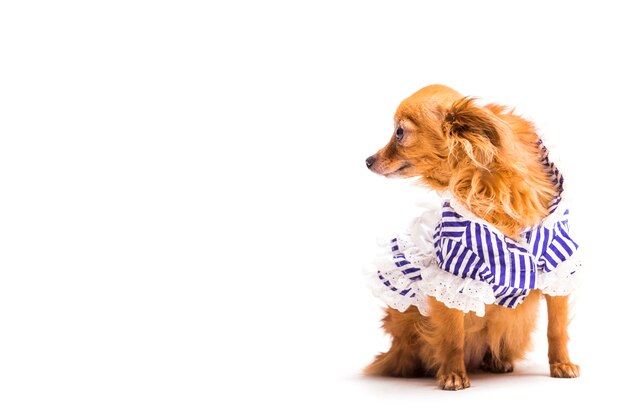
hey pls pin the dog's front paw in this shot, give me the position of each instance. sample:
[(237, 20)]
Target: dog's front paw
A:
[(564, 370), (454, 381)]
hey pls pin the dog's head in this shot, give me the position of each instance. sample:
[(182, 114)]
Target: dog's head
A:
[(437, 134)]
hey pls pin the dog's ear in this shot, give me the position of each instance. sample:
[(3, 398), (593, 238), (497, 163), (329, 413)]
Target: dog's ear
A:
[(472, 132)]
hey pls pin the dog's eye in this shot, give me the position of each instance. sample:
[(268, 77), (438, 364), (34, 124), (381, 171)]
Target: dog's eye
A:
[(399, 133)]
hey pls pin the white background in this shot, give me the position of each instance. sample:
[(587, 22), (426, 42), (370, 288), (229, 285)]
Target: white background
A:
[(185, 209)]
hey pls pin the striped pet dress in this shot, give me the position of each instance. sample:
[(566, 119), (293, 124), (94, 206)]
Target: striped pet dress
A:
[(465, 262)]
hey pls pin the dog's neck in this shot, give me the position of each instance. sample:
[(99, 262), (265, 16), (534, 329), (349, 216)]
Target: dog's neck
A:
[(509, 200), (435, 183)]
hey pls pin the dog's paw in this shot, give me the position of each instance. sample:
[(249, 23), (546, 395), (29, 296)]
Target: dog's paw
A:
[(564, 370), (497, 366), (454, 381)]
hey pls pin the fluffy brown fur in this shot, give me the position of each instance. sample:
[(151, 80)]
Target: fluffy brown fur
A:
[(486, 156)]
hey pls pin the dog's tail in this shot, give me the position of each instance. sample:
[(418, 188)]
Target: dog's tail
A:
[(403, 358), (380, 366), (395, 363)]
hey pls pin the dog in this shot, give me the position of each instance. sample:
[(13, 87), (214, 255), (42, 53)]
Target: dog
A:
[(493, 168)]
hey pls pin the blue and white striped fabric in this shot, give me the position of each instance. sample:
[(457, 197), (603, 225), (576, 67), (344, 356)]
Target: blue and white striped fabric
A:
[(467, 263), (471, 250)]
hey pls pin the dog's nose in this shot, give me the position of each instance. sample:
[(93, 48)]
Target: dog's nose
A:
[(370, 161)]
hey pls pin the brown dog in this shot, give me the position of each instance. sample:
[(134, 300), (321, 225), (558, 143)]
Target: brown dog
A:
[(487, 159)]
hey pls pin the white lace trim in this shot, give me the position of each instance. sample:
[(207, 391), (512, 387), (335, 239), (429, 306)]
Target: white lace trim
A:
[(563, 280), (417, 247), (455, 292)]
